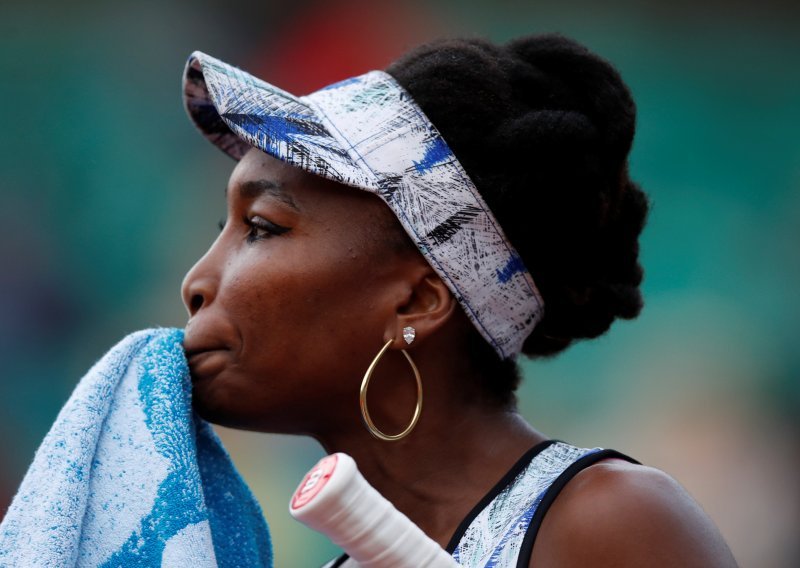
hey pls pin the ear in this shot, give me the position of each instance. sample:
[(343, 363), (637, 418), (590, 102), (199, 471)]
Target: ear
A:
[(427, 306)]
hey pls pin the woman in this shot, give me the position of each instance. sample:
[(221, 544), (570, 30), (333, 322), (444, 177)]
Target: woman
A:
[(468, 205)]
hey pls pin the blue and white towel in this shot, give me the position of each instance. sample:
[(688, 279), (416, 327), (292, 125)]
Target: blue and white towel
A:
[(128, 475)]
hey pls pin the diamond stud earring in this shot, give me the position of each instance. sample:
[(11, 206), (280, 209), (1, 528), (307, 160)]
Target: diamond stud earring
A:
[(409, 333)]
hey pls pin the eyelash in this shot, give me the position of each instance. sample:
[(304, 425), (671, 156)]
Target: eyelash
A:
[(258, 224)]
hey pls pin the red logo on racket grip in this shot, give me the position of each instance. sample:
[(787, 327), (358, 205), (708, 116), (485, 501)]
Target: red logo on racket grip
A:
[(314, 481)]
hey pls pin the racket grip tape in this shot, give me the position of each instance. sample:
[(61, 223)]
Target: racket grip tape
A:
[(335, 500)]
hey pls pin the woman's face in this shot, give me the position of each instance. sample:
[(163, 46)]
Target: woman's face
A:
[(292, 300)]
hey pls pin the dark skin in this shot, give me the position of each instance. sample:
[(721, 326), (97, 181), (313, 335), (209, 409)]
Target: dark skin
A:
[(292, 302)]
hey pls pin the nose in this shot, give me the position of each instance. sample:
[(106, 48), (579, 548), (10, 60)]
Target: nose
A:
[(200, 284)]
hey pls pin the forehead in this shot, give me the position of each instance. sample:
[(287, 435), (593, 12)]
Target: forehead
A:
[(257, 174), (256, 166)]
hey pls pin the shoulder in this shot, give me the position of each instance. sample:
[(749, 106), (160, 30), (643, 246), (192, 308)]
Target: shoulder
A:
[(616, 513)]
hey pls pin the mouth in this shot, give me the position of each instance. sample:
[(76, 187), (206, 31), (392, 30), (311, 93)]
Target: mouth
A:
[(206, 363), (208, 348)]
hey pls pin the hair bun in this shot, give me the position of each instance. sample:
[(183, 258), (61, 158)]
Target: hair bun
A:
[(543, 131), (578, 78), (543, 127)]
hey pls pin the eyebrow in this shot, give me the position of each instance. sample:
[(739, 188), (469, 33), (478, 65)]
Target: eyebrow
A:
[(254, 189)]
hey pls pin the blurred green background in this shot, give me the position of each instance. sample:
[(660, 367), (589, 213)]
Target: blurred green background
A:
[(109, 196)]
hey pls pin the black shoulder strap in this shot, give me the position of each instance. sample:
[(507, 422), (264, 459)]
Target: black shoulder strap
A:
[(339, 561), (524, 558), (520, 464)]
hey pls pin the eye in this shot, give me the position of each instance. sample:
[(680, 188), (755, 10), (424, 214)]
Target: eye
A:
[(261, 228)]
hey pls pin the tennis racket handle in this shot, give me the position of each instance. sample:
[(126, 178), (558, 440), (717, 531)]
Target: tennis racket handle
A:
[(336, 500)]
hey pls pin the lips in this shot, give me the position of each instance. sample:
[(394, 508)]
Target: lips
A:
[(206, 354), (203, 364), (193, 351)]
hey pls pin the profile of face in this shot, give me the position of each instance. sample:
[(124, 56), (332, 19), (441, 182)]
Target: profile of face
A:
[(297, 293)]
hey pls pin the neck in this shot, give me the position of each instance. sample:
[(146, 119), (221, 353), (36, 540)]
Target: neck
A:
[(459, 450)]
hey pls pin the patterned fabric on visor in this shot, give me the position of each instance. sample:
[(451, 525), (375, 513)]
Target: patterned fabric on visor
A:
[(367, 132)]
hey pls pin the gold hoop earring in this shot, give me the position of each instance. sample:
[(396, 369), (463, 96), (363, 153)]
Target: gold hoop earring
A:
[(363, 399)]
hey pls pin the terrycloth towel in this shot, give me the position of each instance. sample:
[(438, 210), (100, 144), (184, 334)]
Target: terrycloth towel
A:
[(129, 476)]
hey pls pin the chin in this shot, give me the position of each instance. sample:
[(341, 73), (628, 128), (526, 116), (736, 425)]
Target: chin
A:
[(227, 400), (219, 405), (213, 404)]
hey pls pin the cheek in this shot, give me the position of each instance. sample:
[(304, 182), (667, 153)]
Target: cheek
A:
[(260, 297), (278, 302), (298, 309), (309, 323)]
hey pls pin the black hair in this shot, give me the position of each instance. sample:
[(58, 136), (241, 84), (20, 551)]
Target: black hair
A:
[(543, 127)]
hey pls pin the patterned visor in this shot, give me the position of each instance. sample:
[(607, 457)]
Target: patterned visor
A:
[(367, 132)]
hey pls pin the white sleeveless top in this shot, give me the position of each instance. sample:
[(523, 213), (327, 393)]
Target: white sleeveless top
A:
[(500, 530)]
